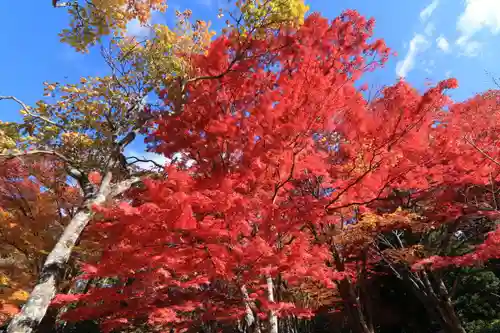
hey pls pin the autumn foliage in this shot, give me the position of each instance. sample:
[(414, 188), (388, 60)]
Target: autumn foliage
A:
[(35, 205), (287, 190), (284, 174)]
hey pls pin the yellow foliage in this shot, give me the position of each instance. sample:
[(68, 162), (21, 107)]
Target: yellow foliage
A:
[(4, 280), (6, 142), (19, 296), (273, 13), (91, 20), (166, 55), (398, 217), (76, 139)]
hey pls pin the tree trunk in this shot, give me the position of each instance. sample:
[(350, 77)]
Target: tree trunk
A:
[(33, 311), (446, 307), (273, 319), (436, 300), (251, 321), (353, 307)]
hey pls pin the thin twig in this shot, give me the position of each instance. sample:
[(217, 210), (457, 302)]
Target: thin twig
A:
[(482, 151)]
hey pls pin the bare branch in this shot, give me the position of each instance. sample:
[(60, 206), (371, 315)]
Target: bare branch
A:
[(138, 160), (37, 152), (27, 110)]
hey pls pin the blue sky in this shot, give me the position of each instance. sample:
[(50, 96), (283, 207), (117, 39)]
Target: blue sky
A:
[(434, 39)]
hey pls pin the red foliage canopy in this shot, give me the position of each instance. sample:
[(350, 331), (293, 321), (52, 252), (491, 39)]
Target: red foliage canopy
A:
[(281, 143)]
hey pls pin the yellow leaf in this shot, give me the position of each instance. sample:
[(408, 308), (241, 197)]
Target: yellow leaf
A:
[(4, 281), (19, 295)]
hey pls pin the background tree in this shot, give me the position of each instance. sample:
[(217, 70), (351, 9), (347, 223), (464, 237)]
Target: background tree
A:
[(36, 204)]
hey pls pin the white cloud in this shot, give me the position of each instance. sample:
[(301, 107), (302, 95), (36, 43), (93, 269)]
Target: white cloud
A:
[(429, 66), (470, 48), (429, 29), (447, 74), (427, 11), (418, 44), (477, 15), (443, 44)]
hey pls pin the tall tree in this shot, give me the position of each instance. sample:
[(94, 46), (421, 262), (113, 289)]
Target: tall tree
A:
[(289, 158), (261, 130), (86, 128)]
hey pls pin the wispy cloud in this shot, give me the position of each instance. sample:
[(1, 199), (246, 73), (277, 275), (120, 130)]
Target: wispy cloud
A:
[(429, 29), (418, 44), (429, 66), (477, 15), (443, 44), (427, 11), (469, 47)]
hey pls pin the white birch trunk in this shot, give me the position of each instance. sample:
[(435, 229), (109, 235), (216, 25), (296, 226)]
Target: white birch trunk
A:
[(33, 311), (273, 319), (250, 320)]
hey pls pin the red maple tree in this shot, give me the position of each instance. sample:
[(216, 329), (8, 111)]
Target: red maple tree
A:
[(291, 178)]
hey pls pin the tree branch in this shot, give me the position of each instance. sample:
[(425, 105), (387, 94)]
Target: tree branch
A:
[(482, 151), (137, 160), (72, 171), (27, 110), (123, 186), (37, 152)]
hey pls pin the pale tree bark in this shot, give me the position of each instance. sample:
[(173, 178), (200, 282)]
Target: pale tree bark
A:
[(251, 321), (52, 272), (273, 319)]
